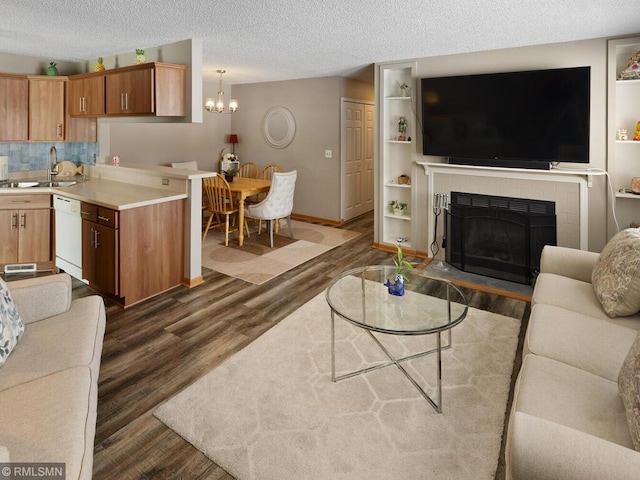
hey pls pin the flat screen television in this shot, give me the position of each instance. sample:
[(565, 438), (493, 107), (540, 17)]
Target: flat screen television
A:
[(526, 119)]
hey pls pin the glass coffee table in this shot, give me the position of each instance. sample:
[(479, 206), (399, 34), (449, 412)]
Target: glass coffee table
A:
[(429, 306)]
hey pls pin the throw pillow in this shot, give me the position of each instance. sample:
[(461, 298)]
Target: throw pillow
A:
[(629, 387), (11, 325), (616, 274)]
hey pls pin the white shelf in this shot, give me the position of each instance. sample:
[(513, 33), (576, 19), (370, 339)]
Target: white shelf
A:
[(409, 142), (627, 195), (397, 185), (627, 82), (635, 142), (400, 98), (398, 217)]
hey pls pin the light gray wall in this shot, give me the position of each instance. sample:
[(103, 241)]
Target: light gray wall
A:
[(591, 53), (163, 143), (22, 65), (315, 105)]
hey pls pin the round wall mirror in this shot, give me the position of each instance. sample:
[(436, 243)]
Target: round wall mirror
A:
[(279, 127)]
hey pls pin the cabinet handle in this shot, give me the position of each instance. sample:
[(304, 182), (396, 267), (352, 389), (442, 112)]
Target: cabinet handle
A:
[(80, 107), (14, 221), (97, 244), (60, 130), (23, 220), (84, 104), (104, 219), (122, 101), (82, 212)]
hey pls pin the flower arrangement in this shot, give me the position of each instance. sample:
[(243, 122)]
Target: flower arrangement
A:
[(230, 157), (395, 284), (398, 207)]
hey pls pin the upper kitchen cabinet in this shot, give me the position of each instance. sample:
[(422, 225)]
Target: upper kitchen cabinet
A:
[(85, 95), (46, 108), (13, 108), (148, 89)]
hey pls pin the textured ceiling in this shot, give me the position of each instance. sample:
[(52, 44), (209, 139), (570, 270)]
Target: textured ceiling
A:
[(264, 40)]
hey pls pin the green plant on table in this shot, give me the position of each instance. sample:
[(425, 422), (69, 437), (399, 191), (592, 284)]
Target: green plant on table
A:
[(402, 265)]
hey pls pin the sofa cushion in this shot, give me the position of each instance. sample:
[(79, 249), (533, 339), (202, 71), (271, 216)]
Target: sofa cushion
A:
[(572, 397), (629, 386), (596, 345), (616, 274), (52, 419), (11, 325), (71, 339)]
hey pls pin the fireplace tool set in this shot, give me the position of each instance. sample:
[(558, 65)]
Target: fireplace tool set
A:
[(440, 205)]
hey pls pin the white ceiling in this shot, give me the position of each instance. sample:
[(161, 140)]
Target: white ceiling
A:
[(265, 40)]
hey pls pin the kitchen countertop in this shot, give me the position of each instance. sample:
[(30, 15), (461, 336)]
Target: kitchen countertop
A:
[(106, 193)]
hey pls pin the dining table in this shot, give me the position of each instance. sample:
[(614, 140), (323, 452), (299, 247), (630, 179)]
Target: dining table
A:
[(241, 188)]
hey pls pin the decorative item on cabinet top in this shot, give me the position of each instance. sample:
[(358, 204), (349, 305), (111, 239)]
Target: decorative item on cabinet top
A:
[(53, 69), (99, 66)]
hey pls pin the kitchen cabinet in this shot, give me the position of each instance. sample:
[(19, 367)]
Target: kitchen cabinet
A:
[(147, 89), (25, 230), (133, 254), (13, 108), (46, 108), (100, 247), (85, 95)]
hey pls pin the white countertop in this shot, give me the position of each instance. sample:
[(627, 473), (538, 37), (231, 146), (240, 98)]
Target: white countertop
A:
[(106, 193)]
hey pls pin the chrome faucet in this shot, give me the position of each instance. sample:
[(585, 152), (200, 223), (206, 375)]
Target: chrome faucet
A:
[(52, 162)]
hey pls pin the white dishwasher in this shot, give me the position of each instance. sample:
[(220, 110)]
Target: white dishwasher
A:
[(68, 235)]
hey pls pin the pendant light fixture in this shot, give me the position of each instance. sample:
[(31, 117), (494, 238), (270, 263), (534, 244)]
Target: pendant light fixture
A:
[(217, 106)]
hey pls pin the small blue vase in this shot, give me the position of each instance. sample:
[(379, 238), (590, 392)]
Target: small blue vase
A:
[(397, 287)]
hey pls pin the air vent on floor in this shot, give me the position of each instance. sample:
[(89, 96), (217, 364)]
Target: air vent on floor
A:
[(20, 268)]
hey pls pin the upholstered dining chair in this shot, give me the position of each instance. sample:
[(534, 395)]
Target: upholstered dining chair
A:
[(186, 165), (248, 170), (220, 205), (277, 204)]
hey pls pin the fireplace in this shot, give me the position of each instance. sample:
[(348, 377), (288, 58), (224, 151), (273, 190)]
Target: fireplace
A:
[(499, 237)]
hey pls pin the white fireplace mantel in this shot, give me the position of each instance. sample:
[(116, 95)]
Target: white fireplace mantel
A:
[(529, 177)]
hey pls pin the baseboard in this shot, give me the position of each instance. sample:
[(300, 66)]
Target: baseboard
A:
[(192, 282), (393, 249), (310, 219)]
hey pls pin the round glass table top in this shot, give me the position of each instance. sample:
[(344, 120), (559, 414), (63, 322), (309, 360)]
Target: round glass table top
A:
[(429, 304)]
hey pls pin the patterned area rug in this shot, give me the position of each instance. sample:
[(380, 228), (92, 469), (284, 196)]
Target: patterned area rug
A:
[(256, 262), (272, 412)]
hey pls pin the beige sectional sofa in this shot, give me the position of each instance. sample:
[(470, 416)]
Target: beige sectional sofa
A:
[(49, 382), (568, 420)]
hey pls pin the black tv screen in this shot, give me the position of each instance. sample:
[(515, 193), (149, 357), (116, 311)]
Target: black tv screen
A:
[(517, 119)]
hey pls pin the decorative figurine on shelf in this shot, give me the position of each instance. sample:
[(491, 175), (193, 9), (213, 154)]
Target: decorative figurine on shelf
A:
[(402, 129), (622, 134), (636, 137), (632, 70), (99, 66), (53, 69), (139, 56), (404, 90)]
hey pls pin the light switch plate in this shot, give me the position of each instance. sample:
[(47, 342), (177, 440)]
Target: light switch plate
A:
[(328, 153)]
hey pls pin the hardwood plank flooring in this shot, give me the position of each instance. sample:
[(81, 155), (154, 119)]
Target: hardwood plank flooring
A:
[(155, 349)]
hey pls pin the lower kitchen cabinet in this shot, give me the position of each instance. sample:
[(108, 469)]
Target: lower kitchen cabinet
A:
[(25, 230), (133, 254)]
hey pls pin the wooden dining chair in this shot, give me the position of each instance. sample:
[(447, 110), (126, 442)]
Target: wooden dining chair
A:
[(248, 170), (220, 204), (269, 170)]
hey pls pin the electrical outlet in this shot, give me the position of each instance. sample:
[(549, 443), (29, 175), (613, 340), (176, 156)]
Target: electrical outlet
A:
[(165, 181), (328, 154)]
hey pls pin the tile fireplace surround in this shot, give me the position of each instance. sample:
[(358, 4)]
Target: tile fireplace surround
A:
[(567, 188)]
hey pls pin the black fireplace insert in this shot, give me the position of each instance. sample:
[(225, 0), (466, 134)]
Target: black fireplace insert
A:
[(499, 237)]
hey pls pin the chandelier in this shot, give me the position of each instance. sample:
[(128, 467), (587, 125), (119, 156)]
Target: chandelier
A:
[(217, 106)]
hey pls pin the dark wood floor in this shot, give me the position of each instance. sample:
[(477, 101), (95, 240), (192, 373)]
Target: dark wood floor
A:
[(155, 349)]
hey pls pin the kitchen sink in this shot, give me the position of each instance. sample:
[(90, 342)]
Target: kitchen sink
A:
[(36, 184)]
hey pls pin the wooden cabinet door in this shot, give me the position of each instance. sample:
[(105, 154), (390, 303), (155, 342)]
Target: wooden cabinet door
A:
[(86, 96), (46, 110), (130, 92), (34, 238), (13, 109), (8, 236), (100, 256)]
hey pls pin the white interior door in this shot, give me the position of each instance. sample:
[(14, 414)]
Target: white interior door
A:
[(357, 158)]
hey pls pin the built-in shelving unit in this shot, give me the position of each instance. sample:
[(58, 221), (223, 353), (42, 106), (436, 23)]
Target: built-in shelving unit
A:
[(396, 154), (623, 112)]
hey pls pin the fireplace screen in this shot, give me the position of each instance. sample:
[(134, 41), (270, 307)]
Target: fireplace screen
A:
[(498, 236)]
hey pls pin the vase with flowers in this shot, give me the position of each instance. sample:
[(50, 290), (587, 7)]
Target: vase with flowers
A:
[(395, 284)]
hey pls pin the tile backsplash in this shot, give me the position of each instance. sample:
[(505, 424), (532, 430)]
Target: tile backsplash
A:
[(24, 157)]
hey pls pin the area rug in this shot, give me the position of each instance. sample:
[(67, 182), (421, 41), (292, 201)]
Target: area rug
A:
[(257, 263), (272, 412)]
